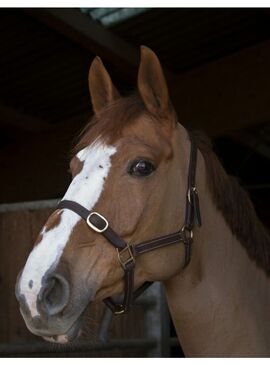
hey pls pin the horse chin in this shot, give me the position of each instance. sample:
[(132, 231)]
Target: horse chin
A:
[(71, 335)]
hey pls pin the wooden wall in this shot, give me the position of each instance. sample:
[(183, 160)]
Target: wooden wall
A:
[(18, 231)]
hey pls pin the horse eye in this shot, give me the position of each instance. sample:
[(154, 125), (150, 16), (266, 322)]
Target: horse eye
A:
[(141, 168)]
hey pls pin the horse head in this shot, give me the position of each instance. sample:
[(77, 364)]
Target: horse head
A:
[(129, 166)]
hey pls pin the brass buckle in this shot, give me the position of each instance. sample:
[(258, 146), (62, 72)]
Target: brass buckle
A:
[(91, 225), (130, 258)]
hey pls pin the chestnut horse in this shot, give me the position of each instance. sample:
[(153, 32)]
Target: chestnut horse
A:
[(131, 165)]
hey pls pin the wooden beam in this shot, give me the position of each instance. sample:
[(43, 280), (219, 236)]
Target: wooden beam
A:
[(100, 41), (219, 97), (90, 35), (228, 94)]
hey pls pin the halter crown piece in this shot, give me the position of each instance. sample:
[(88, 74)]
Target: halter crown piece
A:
[(127, 253)]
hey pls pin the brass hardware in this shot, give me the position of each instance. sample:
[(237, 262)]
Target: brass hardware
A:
[(194, 189), (129, 259), (120, 311), (190, 232), (91, 225)]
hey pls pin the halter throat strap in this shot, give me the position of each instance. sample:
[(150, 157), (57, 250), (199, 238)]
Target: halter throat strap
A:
[(128, 253)]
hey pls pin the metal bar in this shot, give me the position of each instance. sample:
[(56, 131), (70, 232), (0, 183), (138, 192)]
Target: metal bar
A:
[(147, 301), (34, 205), (90, 35), (154, 321), (37, 348), (105, 325), (164, 324)]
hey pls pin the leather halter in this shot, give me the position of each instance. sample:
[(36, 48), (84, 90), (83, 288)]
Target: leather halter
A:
[(127, 253)]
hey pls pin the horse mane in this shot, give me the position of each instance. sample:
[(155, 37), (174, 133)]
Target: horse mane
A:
[(235, 205), (228, 196)]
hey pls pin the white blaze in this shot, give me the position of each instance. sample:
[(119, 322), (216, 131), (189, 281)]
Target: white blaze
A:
[(85, 189)]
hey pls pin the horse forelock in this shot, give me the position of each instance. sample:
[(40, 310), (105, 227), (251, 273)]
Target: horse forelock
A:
[(110, 123)]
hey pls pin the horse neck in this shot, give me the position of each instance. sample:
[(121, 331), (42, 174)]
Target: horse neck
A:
[(220, 302)]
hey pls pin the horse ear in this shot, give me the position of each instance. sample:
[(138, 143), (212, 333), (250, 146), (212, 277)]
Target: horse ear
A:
[(152, 84), (101, 88)]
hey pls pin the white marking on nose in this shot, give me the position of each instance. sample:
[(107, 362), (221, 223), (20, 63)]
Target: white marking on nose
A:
[(85, 189)]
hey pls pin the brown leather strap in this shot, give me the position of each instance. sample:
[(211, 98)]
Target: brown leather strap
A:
[(184, 235), (118, 308), (75, 207), (193, 215), (146, 246), (109, 234), (100, 223), (162, 241)]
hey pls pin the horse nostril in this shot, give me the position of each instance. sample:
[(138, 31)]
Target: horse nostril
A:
[(54, 294)]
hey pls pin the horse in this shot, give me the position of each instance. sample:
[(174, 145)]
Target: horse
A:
[(149, 201)]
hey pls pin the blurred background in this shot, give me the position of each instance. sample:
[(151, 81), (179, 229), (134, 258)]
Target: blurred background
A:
[(216, 62)]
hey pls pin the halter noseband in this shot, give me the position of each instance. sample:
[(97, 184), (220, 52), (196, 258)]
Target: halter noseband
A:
[(127, 253)]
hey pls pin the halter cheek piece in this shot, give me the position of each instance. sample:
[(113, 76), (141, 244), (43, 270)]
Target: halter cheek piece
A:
[(127, 253)]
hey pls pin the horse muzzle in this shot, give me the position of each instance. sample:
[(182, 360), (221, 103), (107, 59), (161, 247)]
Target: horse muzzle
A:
[(51, 321)]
